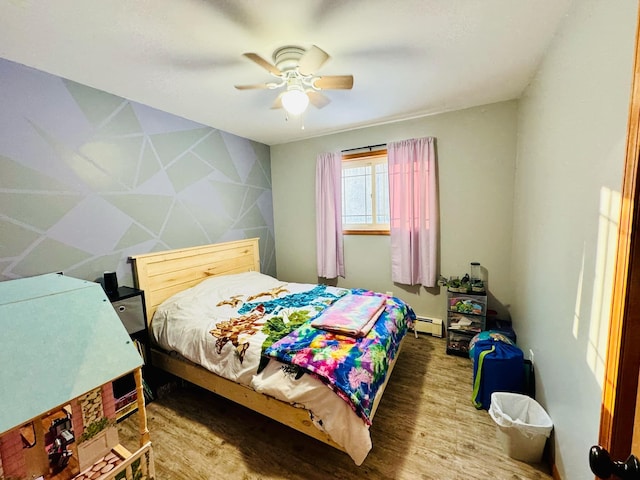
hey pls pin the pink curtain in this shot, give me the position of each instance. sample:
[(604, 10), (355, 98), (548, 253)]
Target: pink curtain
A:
[(413, 205), (330, 255)]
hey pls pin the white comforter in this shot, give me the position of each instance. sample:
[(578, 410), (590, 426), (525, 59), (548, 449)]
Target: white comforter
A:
[(183, 324)]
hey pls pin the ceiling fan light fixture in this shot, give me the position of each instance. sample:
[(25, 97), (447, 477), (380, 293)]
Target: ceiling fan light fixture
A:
[(295, 100), (295, 67)]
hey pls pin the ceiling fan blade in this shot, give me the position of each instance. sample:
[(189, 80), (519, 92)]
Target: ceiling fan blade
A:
[(318, 99), (254, 86), (312, 60), (277, 103), (263, 63), (334, 82)]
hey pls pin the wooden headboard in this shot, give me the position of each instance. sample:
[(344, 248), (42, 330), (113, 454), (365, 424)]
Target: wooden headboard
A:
[(163, 274)]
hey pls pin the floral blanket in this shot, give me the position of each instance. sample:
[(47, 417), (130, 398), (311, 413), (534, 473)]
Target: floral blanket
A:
[(354, 368)]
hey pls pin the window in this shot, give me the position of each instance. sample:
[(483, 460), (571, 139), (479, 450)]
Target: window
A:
[(365, 193)]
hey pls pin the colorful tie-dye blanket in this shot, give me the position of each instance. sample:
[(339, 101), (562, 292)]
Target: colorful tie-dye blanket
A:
[(354, 368)]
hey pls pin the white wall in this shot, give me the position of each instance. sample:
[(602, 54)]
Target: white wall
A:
[(572, 130), (544, 226), (476, 157)]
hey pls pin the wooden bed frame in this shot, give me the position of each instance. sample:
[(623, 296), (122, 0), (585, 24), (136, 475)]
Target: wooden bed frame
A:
[(163, 274)]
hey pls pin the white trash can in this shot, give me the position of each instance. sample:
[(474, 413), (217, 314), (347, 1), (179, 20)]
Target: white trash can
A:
[(523, 425)]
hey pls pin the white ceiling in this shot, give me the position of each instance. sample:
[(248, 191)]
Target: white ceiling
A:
[(408, 57)]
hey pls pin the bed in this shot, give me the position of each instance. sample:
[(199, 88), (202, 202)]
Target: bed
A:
[(217, 322)]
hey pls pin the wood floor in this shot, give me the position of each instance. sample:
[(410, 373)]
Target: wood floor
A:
[(425, 428)]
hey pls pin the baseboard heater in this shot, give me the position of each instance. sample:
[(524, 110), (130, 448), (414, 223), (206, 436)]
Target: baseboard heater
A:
[(432, 326)]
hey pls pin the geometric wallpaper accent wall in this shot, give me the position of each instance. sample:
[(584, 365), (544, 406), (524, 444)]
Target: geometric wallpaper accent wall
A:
[(88, 178)]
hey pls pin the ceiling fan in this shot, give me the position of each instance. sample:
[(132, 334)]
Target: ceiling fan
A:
[(295, 68)]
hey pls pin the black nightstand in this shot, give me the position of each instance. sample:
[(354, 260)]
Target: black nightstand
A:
[(129, 304)]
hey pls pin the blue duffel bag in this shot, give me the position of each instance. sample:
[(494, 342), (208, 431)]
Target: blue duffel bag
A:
[(498, 366)]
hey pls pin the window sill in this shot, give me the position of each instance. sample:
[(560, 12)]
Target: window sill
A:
[(365, 232)]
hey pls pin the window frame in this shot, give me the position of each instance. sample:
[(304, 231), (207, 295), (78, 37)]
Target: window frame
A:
[(372, 228)]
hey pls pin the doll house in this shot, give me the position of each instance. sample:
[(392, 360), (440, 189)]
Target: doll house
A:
[(62, 345)]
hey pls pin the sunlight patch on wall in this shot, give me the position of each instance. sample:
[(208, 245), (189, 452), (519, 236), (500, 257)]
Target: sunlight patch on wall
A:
[(603, 280), (576, 315)]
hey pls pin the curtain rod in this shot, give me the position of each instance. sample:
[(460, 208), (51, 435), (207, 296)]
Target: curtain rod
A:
[(370, 147)]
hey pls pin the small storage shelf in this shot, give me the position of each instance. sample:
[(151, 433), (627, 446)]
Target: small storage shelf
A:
[(466, 316)]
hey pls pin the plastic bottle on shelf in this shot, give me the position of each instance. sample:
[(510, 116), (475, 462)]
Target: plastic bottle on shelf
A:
[(477, 278)]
